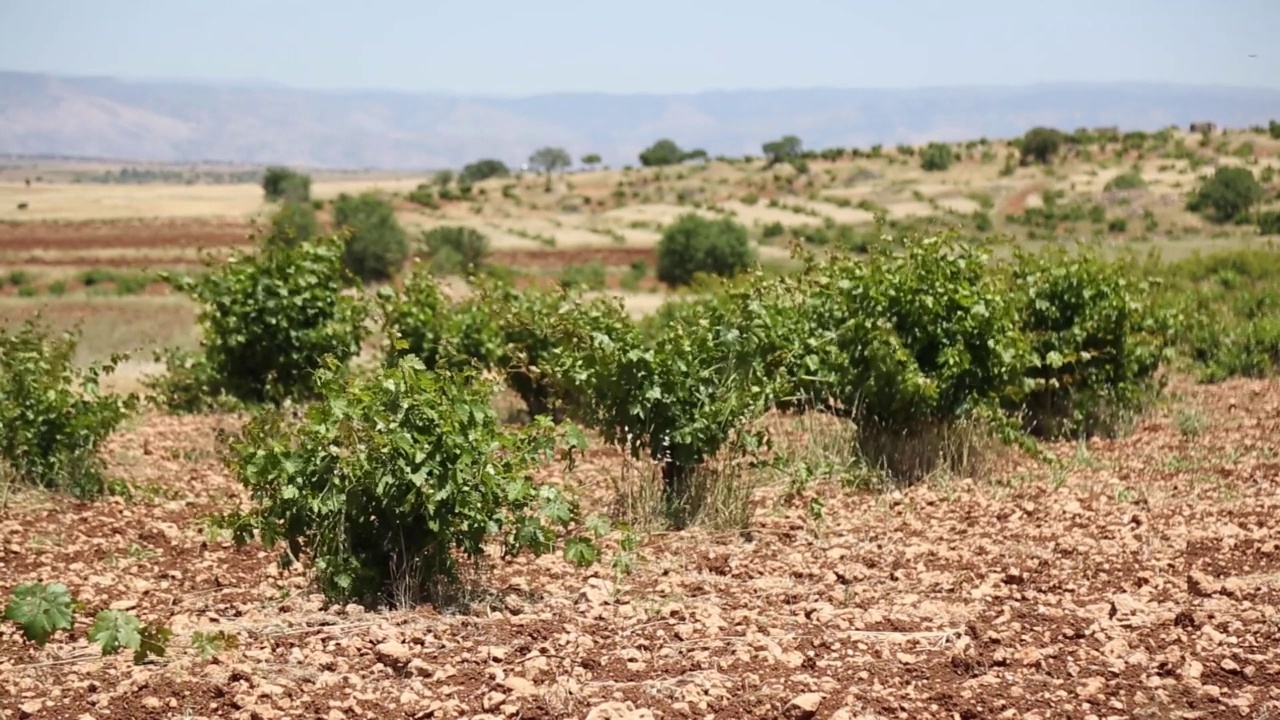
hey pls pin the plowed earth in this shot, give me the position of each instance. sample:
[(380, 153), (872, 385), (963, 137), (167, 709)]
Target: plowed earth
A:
[(120, 244), (1137, 578)]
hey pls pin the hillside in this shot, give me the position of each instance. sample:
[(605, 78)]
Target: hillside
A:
[(165, 121)]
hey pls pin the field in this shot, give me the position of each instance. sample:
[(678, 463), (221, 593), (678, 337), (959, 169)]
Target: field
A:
[(1109, 578)]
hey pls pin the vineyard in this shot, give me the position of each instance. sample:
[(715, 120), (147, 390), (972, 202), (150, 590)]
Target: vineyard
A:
[(909, 472)]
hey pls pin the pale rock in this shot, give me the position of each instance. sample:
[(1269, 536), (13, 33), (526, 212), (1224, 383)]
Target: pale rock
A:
[(392, 654), (619, 711), (803, 707), (520, 686), (123, 605)]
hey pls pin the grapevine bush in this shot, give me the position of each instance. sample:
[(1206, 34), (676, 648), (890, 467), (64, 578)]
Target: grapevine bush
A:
[(53, 415), (270, 318), (392, 478), (1097, 341)]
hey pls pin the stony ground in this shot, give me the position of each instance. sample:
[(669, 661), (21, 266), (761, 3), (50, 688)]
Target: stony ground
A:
[(1135, 578)]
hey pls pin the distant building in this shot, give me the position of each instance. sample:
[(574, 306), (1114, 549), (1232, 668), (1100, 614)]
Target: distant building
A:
[(1204, 128)]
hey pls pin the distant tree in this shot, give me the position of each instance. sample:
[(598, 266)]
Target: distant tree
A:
[(282, 183), (694, 244), (294, 223), (376, 246), (443, 177), (548, 160), (1227, 195), (590, 160), (483, 170), (1273, 129), (936, 157), (661, 153), (696, 154), (782, 150), (1040, 144)]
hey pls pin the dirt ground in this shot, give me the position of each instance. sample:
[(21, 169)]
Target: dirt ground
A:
[(1137, 578)]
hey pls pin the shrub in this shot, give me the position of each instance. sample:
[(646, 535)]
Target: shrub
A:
[(270, 318), (773, 230), (982, 221), (784, 150), (376, 245), (590, 276), (936, 157), (456, 249), (188, 385), (912, 346), (1131, 180), (424, 195), (1227, 195), (1269, 222), (483, 170), (391, 479), (294, 223), (54, 415), (281, 183), (1117, 225), (418, 320), (662, 153), (1097, 338), (1040, 144), (694, 244)]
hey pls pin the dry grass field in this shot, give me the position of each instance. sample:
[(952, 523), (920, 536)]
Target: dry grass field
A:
[(1129, 578)]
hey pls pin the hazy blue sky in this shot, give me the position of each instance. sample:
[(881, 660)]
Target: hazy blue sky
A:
[(518, 47)]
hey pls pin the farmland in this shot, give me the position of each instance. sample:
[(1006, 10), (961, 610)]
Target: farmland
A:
[(883, 531)]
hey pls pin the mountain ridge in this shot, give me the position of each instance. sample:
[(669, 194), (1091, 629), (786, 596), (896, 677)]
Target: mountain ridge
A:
[(195, 121)]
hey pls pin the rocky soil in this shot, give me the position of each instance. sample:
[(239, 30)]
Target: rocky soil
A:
[(1137, 578)]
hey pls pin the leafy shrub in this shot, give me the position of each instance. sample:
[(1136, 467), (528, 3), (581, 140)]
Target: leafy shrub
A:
[(282, 183), (1097, 337), (784, 150), (1040, 145), (694, 244), (912, 346), (419, 321), (294, 223), (483, 170), (391, 479), (936, 157), (773, 230), (424, 195), (680, 399), (1269, 222), (590, 276), (1117, 225), (54, 415), (270, 318), (456, 249), (661, 153), (982, 221), (188, 385), (1131, 180), (1228, 194), (376, 245)]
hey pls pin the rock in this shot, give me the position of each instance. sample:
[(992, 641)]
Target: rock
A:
[(803, 707), (520, 686), (1201, 585), (151, 703), (1090, 687), (493, 700), (124, 605), (1229, 666), (392, 654), (28, 709), (1192, 670), (619, 711)]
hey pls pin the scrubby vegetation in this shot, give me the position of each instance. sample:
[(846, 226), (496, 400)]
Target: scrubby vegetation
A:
[(694, 244)]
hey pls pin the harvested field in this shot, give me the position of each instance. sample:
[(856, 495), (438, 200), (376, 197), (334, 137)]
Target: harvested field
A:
[(1131, 578)]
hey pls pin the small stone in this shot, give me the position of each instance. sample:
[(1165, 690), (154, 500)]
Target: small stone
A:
[(1091, 687), (493, 700), (803, 707), (28, 709), (123, 605), (1193, 670), (520, 686), (1230, 666), (392, 653), (151, 703), (1201, 585)]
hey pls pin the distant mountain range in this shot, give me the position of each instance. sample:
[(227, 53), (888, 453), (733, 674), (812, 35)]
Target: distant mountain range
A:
[(194, 121)]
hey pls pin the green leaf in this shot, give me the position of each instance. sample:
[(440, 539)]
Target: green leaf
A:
[(113, 630), (581, 551), (154, 642), (41, 610), (210, 643)]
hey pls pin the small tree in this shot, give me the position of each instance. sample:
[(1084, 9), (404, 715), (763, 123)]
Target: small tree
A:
[(786, 149), (694, 244), (282, 183), (936, 157), (548, 160), (294, 223), (443, 178), (1040, 144), (661, 153), (590, 160), (1227, 195), (483, 170), (376, 244)]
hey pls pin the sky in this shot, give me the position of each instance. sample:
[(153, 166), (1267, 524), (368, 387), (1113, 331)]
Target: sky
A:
[(527, 47)]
